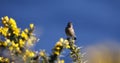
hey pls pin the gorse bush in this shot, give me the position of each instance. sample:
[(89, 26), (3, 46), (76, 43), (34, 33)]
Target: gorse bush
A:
[(15, 46)]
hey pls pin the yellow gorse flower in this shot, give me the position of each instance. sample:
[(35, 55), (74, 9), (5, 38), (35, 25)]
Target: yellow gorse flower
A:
[(10, 48), (16, 45), (61, 40), (4, 60), (29, 43), (26, 30), (13, 43), (61, 61), (16, 31), (24, 35), (7, 40), (66, 44), (31, 26), (5, 18), (29, 53), (42, 53), (12, 23), (21, 43), (4, 31), (59, 44), (1, 58), (17, 49), (0, 43), (58, 48), (57, 53), (5, 44)]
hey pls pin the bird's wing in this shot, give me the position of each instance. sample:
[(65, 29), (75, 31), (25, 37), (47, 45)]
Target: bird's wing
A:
[(67, 31)]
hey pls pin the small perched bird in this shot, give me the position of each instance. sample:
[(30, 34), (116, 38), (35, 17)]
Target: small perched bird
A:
[(69, 30)]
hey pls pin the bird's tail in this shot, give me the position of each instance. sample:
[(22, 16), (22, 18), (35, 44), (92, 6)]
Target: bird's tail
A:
[(75, 38)]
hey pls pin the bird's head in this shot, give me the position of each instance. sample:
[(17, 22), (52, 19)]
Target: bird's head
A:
[(69, 24)]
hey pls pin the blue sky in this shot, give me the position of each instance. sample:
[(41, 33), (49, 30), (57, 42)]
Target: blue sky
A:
[(93, 20)]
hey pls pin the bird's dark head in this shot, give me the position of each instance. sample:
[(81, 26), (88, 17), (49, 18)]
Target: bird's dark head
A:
[(69, 24)]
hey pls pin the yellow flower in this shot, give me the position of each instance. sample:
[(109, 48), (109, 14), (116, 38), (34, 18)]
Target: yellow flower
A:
[(13, 44), (66, 42), (59, 61), (6, 60), (24, 35), (1, 58), (31, 26), (4, 44), (17, 49), (5, 18), (9, 34), (61, 39), (7, 41), (16, 31), (62, 61), (31, 54), (0, 29), (67, 46), (4, 31), (21, 43), (0, 43), (42, 53), (4, 22), (24, 57), (59, 44), (13, 26), (12, 21), (16, 45), (26, 30), (29, 43), (27, 50), (12, 62), (58, 48), (57, 53), (10, 48)]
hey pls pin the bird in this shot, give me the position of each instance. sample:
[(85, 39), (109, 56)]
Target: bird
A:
[(69, 30)]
